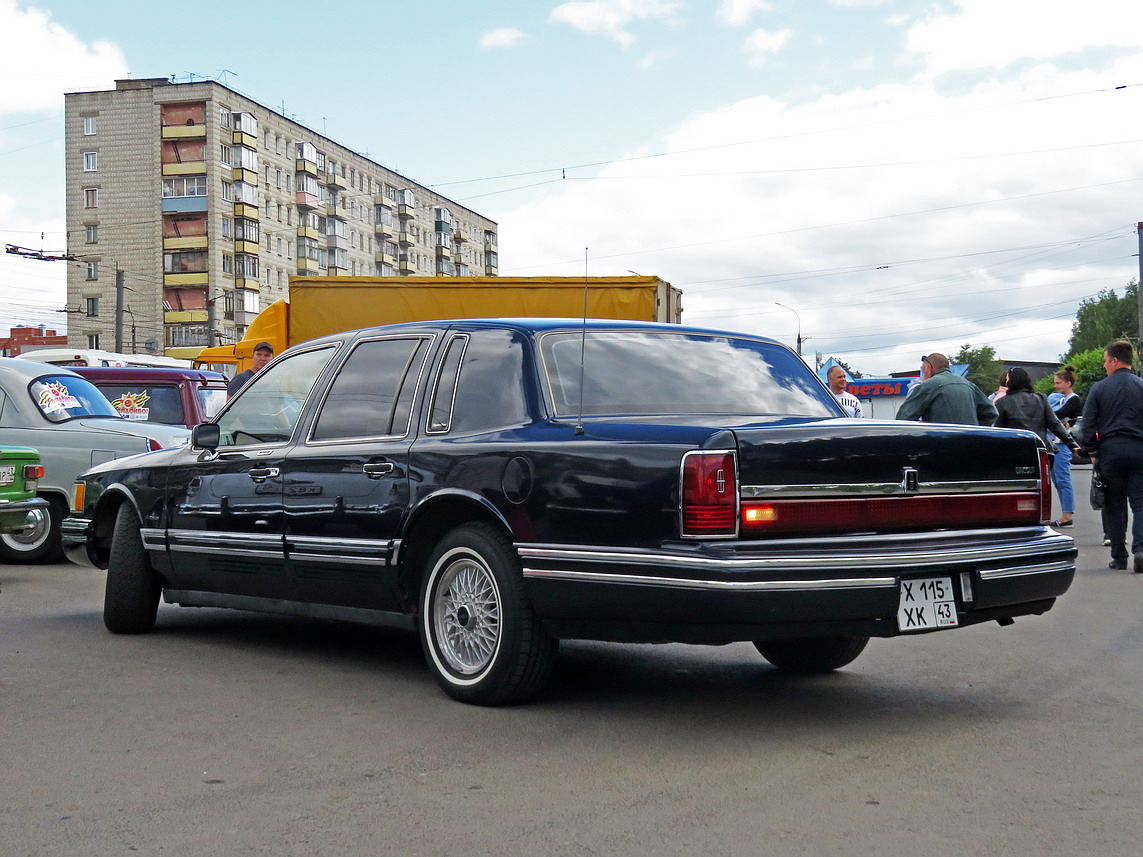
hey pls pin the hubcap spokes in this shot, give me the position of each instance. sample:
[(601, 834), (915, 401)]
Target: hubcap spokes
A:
[(467, 616)]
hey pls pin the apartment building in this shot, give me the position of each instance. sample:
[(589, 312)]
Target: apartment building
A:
[(199, 204)]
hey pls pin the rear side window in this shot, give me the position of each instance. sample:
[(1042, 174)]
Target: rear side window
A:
[(156, 403), (372, 393), (488, 392)]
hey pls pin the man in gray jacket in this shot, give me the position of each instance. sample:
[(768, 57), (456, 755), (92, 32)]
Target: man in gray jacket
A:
[(943, 397)]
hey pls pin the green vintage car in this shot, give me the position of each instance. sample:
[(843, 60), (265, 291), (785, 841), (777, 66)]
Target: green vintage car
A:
[(20, 472)]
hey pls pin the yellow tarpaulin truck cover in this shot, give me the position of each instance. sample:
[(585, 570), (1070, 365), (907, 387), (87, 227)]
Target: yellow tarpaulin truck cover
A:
[(322, 305)]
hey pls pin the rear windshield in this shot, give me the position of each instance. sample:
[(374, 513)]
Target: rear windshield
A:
[(65, 397), (154, 403), (642, 372)]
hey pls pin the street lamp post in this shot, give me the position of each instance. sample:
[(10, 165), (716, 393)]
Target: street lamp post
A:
[(799, 318)]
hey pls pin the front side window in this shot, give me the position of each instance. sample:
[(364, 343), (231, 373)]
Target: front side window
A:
[(372, 394), (211, 400), (268, 407), (65, 397), (637, 372)]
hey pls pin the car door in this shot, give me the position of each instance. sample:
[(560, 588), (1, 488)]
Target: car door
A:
[(346, 487), (226, 519)]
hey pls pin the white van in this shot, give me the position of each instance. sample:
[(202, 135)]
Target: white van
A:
[(96, 357)]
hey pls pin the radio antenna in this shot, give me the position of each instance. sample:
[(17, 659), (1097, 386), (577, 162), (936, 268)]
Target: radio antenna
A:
[(582, 347)]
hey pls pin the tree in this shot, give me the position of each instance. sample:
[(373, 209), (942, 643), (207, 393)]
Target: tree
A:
[(983, 367), (853, 373), (1104, 319)]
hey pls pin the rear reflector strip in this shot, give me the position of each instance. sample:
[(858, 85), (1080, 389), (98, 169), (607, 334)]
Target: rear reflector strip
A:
[(890, 514)]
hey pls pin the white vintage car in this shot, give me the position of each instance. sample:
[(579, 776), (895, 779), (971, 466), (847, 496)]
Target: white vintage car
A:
[(72, 424)]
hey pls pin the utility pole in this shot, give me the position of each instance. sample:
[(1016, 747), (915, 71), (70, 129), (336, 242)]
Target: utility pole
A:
[(120, 286)]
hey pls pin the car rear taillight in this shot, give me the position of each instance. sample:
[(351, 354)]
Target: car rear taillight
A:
[(33, 473), (1045, 487), (153, 444), (709, 494)]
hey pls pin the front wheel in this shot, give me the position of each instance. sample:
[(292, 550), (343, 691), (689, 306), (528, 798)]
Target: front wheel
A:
[(478, 632), (39, 540), (131, 600), (811, 654)]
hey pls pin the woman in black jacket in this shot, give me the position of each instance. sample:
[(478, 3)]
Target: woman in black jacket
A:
[(1024, 408)]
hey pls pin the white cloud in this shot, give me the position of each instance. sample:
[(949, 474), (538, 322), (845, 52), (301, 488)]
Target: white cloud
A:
[(501, 37), (609, 17), (895, 220), (41, 60), (989, 34), (735, 13), (761, 44)]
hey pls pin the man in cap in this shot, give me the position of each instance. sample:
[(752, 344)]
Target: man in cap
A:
[(943, 397), (263, 354)]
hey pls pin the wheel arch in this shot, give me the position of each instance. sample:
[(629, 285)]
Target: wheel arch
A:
[(103, 520), (427, 523)]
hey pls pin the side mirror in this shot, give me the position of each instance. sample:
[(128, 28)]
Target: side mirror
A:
[(206, 436)]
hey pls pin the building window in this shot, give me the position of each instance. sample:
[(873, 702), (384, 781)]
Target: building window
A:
[(277, 178), (187, 262), (269, 274), (93, 307), (92, 234), (228, 191), (226, 154), (90, 162), (93, 340), (93, 270), (227, 263), (184, 186), (88, 126), (224, 117), (91, 197), (227, 227)]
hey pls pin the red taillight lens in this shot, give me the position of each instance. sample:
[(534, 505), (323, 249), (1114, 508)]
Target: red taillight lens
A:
[(153, 444), (709, 494), (33, 471), (890, 514), (1045, 487)]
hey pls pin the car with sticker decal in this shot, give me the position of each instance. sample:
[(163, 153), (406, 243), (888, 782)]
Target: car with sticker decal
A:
[(73, 426), (500, 485), (176, 397)]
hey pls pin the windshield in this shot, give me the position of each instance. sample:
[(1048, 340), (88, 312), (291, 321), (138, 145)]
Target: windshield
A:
[(642, 372), (65, 397)]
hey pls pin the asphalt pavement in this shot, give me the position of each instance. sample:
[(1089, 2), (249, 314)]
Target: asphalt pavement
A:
[(224, 733)]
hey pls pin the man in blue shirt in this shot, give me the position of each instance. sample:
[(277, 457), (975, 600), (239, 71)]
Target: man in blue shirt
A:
[(943, 397), (1112, 426)]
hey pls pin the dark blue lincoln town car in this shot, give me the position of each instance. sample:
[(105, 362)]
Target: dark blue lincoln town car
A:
[(500, 485)]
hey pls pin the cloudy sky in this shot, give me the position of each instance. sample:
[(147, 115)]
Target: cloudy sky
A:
[(903, 176)]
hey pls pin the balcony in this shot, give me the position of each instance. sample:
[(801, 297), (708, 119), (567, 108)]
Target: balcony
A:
[(405, 238), (191, 168), (406, 211), (187, 242), (184, 316), (444, 252), (308, 266), (245, 209), (459, 234), (309, 232), (249, 283), (384, 258), (250, 247), (405, 264), (307, 167), (306, 200), (183, 132), (195, 279), (333, 180), (385, 230)]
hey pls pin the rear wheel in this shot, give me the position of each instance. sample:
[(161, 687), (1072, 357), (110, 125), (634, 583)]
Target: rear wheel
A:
[(478, 632), (39, 541), (131, 599), (811, 654)]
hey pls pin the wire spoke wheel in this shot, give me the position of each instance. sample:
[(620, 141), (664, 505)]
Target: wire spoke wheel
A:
[(466, 613)]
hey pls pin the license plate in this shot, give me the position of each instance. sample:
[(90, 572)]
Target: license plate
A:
[(7, 474), (926, 604)]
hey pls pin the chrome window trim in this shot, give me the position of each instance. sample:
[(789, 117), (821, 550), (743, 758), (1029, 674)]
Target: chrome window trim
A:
[(437, 381), (427, 337)]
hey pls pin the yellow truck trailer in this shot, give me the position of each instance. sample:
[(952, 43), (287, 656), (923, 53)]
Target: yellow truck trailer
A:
[(323, 305)]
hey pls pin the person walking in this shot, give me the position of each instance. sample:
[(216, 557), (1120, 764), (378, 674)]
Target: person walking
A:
[(943, 397), (1112, 429), (849, 402), (1068, 407), (1001, 388), (1022, 407)]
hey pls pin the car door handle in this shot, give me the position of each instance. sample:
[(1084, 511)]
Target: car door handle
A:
[(377, 469), (261, 474)]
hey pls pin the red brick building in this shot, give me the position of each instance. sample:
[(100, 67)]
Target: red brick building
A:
[(23, 338)]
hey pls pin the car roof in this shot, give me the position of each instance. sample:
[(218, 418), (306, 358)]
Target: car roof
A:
[(147, 374), (545, 325), (28, 370)]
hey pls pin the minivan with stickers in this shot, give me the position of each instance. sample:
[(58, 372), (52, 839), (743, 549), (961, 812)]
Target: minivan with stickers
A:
[(174, 397)]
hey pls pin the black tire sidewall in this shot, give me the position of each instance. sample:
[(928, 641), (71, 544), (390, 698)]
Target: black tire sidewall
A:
[(131, 597)]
